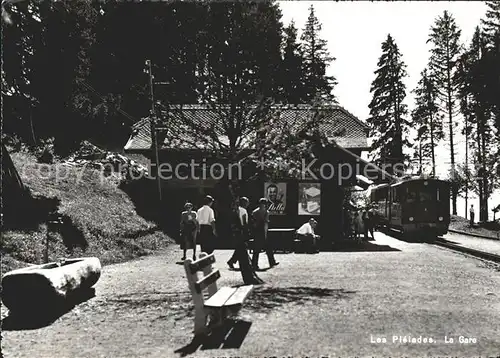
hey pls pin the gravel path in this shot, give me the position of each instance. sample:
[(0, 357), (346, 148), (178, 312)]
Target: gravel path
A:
[(330, 304), (476, 243)]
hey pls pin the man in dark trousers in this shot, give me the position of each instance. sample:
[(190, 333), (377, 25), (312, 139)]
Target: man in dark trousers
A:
[(368, 223), (260, 218), (239, 234), (206, 221), (471, 213), (243, 216)]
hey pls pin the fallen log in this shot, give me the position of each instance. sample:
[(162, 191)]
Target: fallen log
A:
[(48, 286)]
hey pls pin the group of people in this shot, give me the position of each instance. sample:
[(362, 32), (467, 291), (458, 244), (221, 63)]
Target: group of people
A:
[(361, 222), (199, 227)]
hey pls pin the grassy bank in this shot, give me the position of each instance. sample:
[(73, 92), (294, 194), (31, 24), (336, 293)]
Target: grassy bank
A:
[(490, 229), (99, 219)]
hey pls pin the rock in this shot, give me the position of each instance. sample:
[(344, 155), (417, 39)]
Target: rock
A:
[(47, 286)]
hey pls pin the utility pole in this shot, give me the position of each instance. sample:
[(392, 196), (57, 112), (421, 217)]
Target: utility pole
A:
[(154, 142)]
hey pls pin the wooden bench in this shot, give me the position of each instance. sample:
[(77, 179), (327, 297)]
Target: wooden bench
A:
[(221, 303), (283, 239)]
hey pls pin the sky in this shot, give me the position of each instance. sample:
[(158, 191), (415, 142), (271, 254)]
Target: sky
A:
[(355, 31)]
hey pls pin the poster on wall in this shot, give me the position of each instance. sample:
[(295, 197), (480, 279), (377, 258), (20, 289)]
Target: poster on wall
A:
[(309, 198), (276, 194)]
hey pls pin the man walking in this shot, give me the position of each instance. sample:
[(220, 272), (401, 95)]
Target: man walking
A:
[(243, 215), (206, 220), (261, 224), (471, 213)]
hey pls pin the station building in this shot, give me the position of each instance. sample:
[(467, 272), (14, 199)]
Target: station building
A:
[(319, 193)]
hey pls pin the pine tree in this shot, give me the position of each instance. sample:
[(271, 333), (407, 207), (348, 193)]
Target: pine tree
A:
[(491, 25), (491, 29), (478, 109), (426, 117), (292, 68), (241, 57), (387, 111), (316, 59), (445, 37)]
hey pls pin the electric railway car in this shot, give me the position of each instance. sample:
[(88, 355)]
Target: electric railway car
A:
[(419, 208)]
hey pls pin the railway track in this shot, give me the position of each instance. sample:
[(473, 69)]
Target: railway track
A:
[(481, 254)]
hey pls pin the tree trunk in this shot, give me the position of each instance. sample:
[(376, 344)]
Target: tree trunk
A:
[(452, 148), (431, 125), (479, 158), (484, 204), (31, 126), (420, 156)]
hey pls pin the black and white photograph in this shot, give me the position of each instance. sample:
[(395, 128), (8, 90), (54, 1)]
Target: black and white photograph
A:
[(250, 179)]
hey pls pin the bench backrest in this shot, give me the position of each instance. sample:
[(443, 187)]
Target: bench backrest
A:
[(207, 280)]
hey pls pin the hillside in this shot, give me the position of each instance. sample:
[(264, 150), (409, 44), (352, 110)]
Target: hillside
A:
[(99, 219)]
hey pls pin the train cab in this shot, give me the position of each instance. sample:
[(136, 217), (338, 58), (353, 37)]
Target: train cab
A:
[(416, 206)]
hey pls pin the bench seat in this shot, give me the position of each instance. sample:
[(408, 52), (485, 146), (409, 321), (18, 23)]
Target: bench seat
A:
[(229, 296), (220, 303)]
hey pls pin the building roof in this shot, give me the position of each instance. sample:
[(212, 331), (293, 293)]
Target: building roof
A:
[(337, 125)]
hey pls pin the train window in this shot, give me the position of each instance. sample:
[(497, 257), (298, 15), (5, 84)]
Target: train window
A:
[(411, 195), (396, 194), (425, 196)]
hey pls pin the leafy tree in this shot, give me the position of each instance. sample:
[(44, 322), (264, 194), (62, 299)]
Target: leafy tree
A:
[(18, 44), (387, 120), (445, 40), (316, 60), (54, 40), (426, 117)]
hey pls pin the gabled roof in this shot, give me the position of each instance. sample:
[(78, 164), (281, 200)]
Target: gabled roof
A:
[(337, 124)]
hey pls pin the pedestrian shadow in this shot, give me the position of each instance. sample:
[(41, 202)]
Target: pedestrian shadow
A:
[(45, 316), (229, 336), (265, 299), (176, 305)]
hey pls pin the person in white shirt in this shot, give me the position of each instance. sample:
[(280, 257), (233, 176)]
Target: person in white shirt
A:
[(471, 213), (243, 215), (306, 233), (206, 221)]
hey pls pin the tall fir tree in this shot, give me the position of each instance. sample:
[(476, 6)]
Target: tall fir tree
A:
[(388, 122), (426, 118), (491, 28), (319, 86), (446, 48), (478, 110), (491, 24), (292, 68)]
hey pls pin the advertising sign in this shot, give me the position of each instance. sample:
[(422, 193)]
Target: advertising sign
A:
[(309, 198), (276, 194)]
